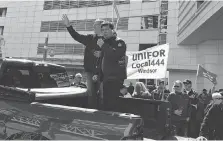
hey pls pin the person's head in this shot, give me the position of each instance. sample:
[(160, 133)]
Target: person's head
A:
[(124, 89), (130, 84), (187, 85), (217, 98), (161, 84), (205, 91), (177, 86), (97, 26), (140, 87), (107, 29), (78, 77)]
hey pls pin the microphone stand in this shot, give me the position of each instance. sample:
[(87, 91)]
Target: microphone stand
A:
[(99, 58)]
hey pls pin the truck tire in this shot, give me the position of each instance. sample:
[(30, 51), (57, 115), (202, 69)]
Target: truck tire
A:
[(26, 136)]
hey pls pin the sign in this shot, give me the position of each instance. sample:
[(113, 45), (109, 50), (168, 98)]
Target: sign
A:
[(61, 79), (148, 64), (202, 72)]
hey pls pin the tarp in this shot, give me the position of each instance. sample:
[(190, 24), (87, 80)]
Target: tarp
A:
[(148, 64), (49, 93)]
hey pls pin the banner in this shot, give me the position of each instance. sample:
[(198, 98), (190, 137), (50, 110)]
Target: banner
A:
[(202, 72), (148, 64)]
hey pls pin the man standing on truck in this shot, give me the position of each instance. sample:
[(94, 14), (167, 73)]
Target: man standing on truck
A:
[(113, 50), (91, 56)]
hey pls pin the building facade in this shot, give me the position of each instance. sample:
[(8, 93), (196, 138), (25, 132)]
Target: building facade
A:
[(25, 24), (192, 30), (199, 29)]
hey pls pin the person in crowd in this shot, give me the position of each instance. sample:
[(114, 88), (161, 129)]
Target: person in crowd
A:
[(161, 93), (180, 108), (216, 99), (205, 97), (91, 56), (78, 81), (141, 91), (124, 92), (212, 125), (113, 74), (131, 88), (194, 123)]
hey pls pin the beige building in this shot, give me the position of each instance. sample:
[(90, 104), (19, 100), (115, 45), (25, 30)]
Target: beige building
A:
[(199, 40), (193, 31), (25, 24)]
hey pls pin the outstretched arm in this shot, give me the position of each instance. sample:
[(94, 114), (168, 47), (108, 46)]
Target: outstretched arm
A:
[(83, 39)]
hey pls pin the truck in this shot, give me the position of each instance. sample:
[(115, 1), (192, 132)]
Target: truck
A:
[(37, 102)]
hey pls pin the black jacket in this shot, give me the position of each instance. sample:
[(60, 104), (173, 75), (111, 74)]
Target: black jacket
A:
[(158, 95), (90, 41), (81, 85), (113, 50), (177, 101), (212, 126)]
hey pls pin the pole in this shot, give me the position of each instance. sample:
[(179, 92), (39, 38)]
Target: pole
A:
[(45, 48), (113, 6), (164, 88), (197, 76)]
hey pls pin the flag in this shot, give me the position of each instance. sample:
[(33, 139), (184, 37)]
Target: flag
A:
[(117, 14), (202, 72), (116, 10)]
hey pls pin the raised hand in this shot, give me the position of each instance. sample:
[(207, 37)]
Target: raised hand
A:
[(178, 112), (66, 20)]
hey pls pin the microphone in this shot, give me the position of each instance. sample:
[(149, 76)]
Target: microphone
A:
[(99, 58)]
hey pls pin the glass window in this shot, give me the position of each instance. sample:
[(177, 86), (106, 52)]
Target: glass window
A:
[(3, 12), (1, 30), (85, 25), (17, 77), (52, 76), (148, 22), (49, 5)]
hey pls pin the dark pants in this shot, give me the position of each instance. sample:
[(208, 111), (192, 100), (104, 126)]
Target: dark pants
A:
[(194, 124), (194, 128), (92, 88), (181, 127), (111, 92)]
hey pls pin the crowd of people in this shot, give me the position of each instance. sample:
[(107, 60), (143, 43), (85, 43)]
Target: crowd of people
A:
[(193, 114)]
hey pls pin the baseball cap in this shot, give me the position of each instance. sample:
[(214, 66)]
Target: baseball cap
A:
[(78, 75), (187, 81)]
